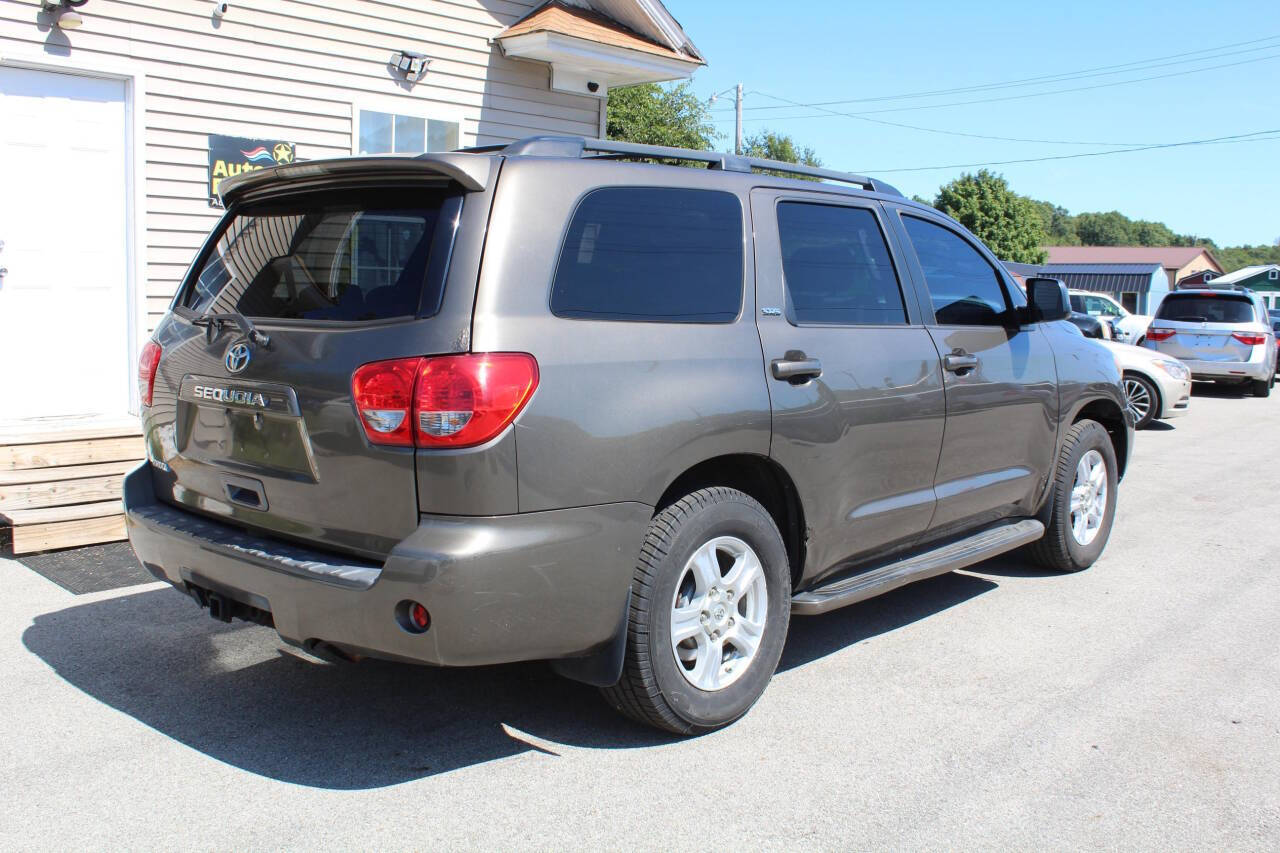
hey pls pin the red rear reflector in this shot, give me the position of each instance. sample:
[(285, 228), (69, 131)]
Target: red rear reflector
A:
[(419, 617), (443, 401), (383, 394), (1159, 334), (148, 361), (1249, 339)]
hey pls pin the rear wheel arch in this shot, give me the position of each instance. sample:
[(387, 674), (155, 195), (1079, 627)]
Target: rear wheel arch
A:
[(760, 477)]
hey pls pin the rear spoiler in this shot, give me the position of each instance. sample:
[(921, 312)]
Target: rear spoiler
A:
[(471, 171)]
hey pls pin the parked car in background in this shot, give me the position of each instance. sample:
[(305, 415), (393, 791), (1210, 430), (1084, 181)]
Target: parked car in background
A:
[(1090, 327), (1127, 328), (1156, 387), (534, 403), (1274, 316), (1223, 334)]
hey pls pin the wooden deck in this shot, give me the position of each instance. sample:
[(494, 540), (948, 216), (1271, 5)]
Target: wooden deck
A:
[(60, 481)]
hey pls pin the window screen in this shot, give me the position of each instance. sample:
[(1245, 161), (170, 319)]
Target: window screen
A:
[(654, 255), (964, 288), (837, 266), (369, 255)]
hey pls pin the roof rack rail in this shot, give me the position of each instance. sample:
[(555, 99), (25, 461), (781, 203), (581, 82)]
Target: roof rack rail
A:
[(575, 147), (1213, 285)]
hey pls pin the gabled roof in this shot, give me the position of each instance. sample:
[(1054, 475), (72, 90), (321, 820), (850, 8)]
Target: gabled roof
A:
[(582, 20), (1169, 257), (1100, 278), (1245, 273)]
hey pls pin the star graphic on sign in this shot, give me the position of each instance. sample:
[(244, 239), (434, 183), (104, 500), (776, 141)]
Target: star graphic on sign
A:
[(282, 153)]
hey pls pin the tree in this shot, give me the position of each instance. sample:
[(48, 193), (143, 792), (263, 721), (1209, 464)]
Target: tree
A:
[(779, 146), (660, 115), (1059, 224), (1105, 229), (1008, 223)]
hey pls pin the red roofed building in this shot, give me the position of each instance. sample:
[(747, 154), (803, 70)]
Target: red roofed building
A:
[(1178, 261)]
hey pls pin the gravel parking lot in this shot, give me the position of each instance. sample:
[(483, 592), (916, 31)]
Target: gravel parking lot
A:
[(1135, 705)]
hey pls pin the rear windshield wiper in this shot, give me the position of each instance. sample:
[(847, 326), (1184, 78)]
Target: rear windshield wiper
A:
[(213, 324)]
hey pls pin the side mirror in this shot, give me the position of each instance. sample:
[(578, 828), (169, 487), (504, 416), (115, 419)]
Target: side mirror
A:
[(1048, 299)]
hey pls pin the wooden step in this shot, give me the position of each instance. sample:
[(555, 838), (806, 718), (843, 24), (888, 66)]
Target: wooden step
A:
[(64, 472), (63, 492), (16, 457), (30, 432), (65, 526)]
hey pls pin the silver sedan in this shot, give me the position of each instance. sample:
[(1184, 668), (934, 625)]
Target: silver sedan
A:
[(1156, 386)]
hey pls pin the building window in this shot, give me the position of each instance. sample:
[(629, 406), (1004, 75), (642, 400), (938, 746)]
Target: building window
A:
[(1273, 275), (389, 133)]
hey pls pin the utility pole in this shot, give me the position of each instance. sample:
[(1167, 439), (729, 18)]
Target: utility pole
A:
[(737, 135)]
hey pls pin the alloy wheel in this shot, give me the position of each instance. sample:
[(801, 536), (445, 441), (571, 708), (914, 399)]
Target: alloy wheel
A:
[(1137, 399), (1089, 497), (718, 613)]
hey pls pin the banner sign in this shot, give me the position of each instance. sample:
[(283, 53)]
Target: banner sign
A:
[(231, 155)]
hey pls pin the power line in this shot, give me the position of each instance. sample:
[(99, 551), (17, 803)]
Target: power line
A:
[(1085, 73), (1023, 97), (955, 132), (1256, 136)]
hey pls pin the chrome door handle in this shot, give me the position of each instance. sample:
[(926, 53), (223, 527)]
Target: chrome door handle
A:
[(958, 362), (796, 368)]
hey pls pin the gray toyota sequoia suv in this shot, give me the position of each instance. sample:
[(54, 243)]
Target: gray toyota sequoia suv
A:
[(566, 400)]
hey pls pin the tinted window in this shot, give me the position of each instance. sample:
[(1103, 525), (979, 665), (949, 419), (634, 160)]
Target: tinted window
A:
[(964, 288), (1198, 308), (652, 254), (837, 266), (330, 256)]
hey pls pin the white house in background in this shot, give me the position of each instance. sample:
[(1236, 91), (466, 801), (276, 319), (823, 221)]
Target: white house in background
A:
[(117, 117)]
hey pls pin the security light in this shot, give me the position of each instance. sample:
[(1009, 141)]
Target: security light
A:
[(410, 64)]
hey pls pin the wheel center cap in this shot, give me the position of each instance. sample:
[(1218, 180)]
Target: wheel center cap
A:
[(718, 614)]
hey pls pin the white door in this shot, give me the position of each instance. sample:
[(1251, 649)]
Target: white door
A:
[(64, 308)]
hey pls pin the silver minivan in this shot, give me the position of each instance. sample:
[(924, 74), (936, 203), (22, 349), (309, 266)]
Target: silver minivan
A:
[(1222, 334)]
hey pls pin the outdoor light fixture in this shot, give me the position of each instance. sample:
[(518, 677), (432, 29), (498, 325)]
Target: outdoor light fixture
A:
[(65, 16), (410, 64)]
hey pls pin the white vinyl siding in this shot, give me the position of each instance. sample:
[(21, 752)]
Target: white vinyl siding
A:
[(299, 71)]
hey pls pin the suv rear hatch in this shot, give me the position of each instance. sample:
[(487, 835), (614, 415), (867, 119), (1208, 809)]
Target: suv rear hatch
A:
[(1199, 326), (312, 275)]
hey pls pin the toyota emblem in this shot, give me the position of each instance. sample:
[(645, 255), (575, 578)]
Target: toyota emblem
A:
[(237, 358)]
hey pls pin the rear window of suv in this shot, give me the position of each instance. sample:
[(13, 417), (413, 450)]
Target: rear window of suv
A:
[(339, 256), (652, 254), (1206, 308)]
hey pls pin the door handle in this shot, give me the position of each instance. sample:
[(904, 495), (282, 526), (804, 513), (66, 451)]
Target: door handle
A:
[(959, 362), (796, 368)]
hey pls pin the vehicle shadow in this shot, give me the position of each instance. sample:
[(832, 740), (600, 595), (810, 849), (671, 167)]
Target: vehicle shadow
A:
[(1216, 389), (237, 694)]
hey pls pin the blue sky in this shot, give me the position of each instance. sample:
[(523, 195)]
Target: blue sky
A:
[(828, 50)]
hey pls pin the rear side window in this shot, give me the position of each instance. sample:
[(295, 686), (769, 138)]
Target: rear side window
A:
[(964, 288), (1201, 308), (837, 266), (343, 256), (652, 254)]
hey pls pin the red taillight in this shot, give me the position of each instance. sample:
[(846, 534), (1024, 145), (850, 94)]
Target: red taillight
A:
[(445, 401), (383, 392), (1249, 339), (465, 400), (1159, 334), (148, 361)]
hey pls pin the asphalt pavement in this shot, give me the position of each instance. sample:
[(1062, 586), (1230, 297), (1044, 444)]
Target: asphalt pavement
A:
[(1132, 706)]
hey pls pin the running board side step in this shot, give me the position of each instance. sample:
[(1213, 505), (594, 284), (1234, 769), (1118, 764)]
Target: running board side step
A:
[(956, 555)]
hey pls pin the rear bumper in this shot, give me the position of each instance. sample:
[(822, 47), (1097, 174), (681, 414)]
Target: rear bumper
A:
[(530, 586), (1253, 369)]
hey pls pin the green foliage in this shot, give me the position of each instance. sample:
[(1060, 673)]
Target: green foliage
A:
[(780, 146), (919, 199), (1234, 257), (660, 115), (1008, 223)]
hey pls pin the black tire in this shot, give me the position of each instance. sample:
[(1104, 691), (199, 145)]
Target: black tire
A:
[(1154, 402), (1262, 387), (1058, 548), (653, 690)]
